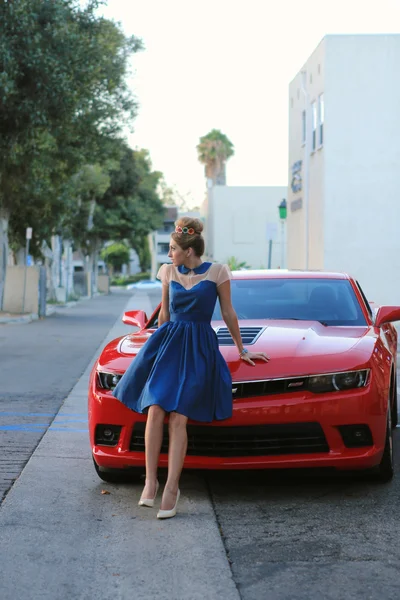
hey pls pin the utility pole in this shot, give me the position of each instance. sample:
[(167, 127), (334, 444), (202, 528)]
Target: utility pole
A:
[(28, 238)]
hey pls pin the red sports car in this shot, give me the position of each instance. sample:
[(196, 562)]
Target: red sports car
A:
[(327, 398)]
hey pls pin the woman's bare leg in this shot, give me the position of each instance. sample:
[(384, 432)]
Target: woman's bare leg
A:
[(176, 456), (153, 440)]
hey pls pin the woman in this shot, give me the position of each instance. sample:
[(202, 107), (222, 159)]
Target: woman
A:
[(180, 370)]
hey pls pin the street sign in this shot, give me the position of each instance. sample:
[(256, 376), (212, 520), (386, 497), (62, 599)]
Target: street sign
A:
[(272, 231), (29, 233)]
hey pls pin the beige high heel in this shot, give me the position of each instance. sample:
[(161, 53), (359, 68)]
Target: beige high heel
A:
[(167, 514), (149, 502)]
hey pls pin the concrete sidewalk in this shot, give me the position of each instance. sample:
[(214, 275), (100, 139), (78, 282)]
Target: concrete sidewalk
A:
[(61, 537)]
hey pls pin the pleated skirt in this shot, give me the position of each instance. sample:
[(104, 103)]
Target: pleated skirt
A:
[(181, 369)]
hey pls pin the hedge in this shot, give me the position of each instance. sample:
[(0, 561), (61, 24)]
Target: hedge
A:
[(124, 280)]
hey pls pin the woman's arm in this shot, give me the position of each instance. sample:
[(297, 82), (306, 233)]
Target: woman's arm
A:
[(231, 320), (163, 315)]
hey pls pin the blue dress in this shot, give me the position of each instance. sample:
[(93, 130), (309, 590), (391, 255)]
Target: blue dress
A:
[(180, 367)]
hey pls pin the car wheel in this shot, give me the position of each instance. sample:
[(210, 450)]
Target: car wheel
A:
[(385, 470), (119, 475), (395, 414)]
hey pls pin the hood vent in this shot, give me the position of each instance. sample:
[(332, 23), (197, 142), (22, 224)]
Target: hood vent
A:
[(249, 335)]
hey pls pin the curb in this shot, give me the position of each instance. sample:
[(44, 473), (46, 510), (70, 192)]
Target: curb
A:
[(19, 319)]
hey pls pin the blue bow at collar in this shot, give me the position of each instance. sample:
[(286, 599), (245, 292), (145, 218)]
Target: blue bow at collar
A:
[(198, 270)]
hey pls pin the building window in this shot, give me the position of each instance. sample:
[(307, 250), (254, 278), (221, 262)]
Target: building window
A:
[(321, 117), (303, 127), (162, 248), (314, 125), (167, 227)]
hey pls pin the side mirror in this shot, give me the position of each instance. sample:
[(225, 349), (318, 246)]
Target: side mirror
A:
[(137, 318), (387, 314)]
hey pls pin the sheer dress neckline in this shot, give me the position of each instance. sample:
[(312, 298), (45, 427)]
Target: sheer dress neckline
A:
[(191, 278), (212, 272)]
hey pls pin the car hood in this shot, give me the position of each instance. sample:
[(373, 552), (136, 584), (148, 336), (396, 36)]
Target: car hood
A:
[(302, 348), (294, 347)]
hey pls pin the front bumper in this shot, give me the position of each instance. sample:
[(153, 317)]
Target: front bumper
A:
[(366, 406)]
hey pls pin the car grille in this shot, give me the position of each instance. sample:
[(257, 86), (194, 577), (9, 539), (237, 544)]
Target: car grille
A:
[(248, 335), (247, 389), (256, 440)]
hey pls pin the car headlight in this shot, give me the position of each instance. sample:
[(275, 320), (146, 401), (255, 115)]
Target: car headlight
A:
[(108, 381), (338, 381)]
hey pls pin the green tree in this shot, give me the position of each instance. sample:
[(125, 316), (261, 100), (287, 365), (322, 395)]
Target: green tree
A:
[(235, 264), (90, 185), (213, 150), (131, 207), (115, 256), (142, 248), (63, 96)]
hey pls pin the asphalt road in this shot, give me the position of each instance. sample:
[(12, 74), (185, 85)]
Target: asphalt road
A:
[(248, 536), (310, 538)]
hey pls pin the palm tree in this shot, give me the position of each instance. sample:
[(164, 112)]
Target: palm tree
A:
[(213, 151)]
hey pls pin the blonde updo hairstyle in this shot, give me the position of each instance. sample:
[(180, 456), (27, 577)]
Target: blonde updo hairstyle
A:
[(190, 240)]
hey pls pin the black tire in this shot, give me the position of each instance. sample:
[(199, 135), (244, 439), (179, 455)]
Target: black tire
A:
[(385, 470), (395, 414), (128, 475)]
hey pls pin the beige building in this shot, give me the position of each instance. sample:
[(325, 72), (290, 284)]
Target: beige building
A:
[(344, 157), (306, 166)]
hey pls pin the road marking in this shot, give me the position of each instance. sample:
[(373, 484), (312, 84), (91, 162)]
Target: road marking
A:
[(22, 414), (37, 427), (27, 427)]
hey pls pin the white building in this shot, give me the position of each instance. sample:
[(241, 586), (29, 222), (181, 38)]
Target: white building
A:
[(194, 214), (243, 223), (344, 162), (159, 240)]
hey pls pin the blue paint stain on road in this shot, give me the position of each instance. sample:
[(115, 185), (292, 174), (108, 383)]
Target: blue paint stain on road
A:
[(26, 427), (21, 414), (37, 427), (61, 422)]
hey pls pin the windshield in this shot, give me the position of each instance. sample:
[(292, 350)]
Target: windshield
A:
[(331, 301)]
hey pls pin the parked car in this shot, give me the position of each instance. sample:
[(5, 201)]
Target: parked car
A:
[(145, 285), (327, 398)]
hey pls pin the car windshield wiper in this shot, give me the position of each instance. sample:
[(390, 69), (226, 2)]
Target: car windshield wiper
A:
[(287, 318)]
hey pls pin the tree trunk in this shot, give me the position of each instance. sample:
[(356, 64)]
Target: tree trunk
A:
[(51, 267), (56, 263), (92, 207), (82, 257), (4, 218), (95, 262), (69, 275)]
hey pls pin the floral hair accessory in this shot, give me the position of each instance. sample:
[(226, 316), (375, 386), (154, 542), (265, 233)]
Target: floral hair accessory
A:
[(188, 230)]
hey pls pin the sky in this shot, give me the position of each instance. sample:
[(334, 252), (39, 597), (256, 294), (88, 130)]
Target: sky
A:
[(227, 64)]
